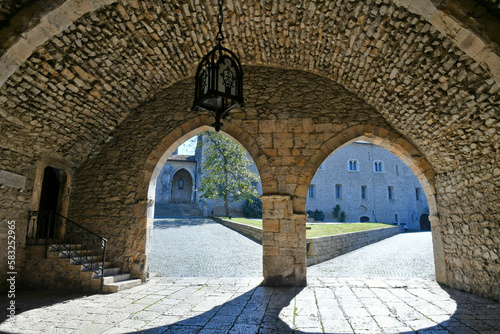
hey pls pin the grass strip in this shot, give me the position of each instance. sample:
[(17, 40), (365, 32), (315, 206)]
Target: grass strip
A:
[(322, 230)]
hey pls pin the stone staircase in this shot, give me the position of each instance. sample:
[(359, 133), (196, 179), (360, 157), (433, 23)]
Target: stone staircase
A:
[(114, 280), (177, 210)]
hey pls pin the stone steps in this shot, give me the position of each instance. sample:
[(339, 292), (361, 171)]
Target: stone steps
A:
[(114, 280), (121, 285), (177, 210)]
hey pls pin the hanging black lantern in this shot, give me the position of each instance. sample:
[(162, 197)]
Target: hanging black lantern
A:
[(219, 80)]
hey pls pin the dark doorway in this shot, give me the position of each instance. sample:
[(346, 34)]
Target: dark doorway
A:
[(425, 224), (364, 219), (49, 202)]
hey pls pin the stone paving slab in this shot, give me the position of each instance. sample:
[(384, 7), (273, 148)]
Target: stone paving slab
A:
[(241, 305)]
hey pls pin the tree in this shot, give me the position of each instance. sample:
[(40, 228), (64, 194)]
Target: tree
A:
[(225, 170)]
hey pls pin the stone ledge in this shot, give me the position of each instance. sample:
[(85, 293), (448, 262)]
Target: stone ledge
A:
[(325, 248), (247, 230)]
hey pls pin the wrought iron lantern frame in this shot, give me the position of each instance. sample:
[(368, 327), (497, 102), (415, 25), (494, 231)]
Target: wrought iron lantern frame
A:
[(219, 80)]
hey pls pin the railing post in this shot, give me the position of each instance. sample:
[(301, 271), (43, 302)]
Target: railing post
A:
[(47, 235), (104, 244)]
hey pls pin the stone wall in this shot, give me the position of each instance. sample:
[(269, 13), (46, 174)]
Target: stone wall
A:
[(325, 248), (248, 230), (15, 200), (55, 272)]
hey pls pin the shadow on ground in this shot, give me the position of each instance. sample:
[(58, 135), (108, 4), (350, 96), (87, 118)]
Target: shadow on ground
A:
[(263, 310), (256, 311), (162, 224), (27, 300), (272, 310)]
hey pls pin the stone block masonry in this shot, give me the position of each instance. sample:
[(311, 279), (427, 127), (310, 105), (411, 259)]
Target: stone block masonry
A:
[(106, 89), (325, 248)]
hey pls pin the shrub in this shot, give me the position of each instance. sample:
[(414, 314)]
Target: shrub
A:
[(317, 215), (253, 209), (342, 216), (336, 211)]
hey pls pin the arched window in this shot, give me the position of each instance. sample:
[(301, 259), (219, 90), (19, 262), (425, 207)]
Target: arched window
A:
[(353, 165), (396, 218), (378, 166)]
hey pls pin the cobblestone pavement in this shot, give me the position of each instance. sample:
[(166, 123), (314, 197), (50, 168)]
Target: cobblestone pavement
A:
[(240, 305), (201, 247), (212, 305), (403, 255)]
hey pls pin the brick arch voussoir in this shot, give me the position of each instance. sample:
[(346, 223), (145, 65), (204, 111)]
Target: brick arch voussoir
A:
[(391, 141)]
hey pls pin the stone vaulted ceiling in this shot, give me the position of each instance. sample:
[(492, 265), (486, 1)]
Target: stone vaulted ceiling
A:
[(72, 92)]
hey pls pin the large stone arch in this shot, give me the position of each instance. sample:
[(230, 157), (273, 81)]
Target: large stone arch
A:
[(40, 22), (404, 150), (76, 74)]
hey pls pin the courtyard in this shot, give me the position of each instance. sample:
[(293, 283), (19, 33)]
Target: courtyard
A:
[(343, 295)]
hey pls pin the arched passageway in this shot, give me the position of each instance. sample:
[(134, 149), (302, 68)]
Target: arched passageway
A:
[(101, 98), (182, 187)]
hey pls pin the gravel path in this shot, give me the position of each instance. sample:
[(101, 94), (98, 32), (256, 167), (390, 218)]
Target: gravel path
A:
[(403, 255), (199, 247)]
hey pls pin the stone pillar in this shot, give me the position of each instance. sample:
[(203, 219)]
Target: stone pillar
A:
[(283, 242), (437, 244)]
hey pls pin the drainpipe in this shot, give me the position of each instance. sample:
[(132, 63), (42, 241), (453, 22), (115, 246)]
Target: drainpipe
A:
[(373, 184)]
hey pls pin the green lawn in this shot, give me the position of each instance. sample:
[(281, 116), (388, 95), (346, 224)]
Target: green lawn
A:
[(322, 230)]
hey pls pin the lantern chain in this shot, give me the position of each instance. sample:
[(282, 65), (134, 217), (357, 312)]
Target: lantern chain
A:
[(220, 20)]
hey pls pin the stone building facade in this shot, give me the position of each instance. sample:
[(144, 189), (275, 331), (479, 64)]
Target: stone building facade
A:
[(102, 91), (369, 184), (177, 180), (167, 185), (359, 177)]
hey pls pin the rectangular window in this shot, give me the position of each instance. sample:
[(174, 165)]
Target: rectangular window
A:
[(417, 194), (363, 192), (311, 191), (390, 193), (338, 191)]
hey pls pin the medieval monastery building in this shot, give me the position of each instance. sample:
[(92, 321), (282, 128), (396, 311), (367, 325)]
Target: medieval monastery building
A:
[(368, 182), (95, 95)]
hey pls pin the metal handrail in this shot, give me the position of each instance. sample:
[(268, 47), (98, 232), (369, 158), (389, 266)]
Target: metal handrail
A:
[(71, 239)]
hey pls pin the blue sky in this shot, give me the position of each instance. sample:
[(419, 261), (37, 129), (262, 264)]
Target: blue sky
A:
[(189, 146)]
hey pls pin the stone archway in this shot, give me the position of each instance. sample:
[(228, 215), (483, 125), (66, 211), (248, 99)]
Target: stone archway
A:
[(286, 145), (182, 187), (406, 152)]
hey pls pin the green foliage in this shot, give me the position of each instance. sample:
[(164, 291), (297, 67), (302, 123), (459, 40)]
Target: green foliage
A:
[(342, 216), (317, 215), (253, 209), (336, 211), (225, 170)]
